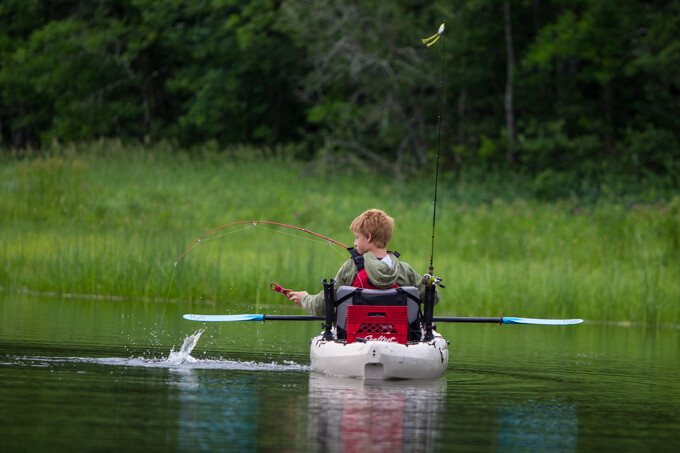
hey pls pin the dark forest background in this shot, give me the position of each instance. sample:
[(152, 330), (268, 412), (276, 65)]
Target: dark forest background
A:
[(572, 94)]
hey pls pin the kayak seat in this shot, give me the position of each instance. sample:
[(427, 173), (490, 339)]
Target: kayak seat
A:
[(407, 296)]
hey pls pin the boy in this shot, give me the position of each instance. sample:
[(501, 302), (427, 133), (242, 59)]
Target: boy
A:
[(382, 269)]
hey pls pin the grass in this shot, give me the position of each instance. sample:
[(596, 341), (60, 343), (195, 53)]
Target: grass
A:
[(111, 220)]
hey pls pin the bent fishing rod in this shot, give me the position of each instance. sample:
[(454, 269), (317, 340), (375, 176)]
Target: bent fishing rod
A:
[(254, 223)]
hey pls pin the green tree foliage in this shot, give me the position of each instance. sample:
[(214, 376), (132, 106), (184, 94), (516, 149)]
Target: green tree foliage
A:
[(371, 84), (559, 90), (598, 103), (168, 69)]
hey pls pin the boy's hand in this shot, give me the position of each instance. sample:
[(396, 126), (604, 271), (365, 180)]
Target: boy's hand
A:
[(296, 296)]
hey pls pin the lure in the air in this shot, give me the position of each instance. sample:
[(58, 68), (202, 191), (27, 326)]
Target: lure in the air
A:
[(434, 38)]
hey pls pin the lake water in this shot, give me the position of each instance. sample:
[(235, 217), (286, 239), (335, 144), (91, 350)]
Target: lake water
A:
[(100, 375)]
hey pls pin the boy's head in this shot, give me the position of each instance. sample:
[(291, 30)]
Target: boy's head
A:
[(374, 224)]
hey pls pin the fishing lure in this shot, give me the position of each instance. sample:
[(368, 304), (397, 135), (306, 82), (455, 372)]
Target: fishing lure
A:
[(434, 38)]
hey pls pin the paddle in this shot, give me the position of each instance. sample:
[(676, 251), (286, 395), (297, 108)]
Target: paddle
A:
[(512, 320), (499, 320), (263, 317)]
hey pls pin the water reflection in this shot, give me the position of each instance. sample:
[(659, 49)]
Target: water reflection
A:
[(215, 413), (537, 426), (352, 415)]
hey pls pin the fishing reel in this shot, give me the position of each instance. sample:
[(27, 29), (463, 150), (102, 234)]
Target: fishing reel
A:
[(432, 281)]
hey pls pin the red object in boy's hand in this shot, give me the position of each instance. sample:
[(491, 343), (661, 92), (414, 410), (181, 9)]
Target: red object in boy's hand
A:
[(279, 288)]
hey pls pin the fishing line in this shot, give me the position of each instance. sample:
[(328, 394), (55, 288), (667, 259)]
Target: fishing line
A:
[(167, 298), (248, 225), (227, 234)]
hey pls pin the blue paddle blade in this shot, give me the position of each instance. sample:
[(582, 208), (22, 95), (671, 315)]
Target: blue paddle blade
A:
[(542, 322), (223, 318)]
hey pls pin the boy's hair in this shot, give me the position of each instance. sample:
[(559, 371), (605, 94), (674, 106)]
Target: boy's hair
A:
[(376, 224)]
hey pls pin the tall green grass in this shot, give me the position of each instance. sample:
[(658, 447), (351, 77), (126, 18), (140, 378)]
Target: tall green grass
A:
[(111, 220)]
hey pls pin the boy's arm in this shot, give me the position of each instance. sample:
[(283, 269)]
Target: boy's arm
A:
[(314, 303)]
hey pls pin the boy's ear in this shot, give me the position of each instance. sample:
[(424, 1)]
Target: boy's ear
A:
[(368, 238)]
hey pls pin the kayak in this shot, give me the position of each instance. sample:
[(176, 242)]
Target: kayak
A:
[(377, 334), (380, 359)]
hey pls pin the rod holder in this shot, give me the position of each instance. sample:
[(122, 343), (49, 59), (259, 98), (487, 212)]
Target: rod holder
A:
[(430, 283), (329, 307)]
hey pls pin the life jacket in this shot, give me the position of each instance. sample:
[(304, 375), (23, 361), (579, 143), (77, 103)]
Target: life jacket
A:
[(362, 280)]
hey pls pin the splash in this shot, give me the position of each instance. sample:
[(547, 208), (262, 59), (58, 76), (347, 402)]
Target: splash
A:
[(176, 360), (184, 354)]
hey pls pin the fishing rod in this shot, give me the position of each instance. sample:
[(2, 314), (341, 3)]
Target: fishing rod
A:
[(429, 280), (255, 223), (439, 136)]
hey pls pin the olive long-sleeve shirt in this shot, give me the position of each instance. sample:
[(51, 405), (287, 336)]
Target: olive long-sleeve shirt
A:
[(378, 272)]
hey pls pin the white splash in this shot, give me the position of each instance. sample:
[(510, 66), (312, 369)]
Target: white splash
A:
[(184, 354), (176, 360)]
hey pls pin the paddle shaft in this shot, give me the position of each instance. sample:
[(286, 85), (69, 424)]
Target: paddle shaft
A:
[(317, 318), (497, 320), (291, 318)]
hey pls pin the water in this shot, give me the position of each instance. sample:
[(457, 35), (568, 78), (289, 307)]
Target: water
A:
[(84, 375)]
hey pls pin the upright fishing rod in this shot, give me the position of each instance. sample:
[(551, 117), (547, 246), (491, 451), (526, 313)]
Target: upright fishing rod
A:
[(429, 280), (429, 42)]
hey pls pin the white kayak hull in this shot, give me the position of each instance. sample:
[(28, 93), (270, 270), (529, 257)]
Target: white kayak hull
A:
[(380, 359)]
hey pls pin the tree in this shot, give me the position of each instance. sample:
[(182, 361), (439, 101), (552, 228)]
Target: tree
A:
[(371, 82), (584, 50), (509, 86), (190, 71)]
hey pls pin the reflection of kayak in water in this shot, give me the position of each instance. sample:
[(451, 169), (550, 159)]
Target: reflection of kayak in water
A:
[(380, 359), (368, 415)]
